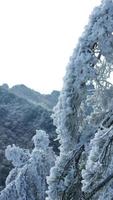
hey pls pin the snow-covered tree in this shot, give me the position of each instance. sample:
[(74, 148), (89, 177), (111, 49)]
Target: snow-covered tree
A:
[(18, 157), (27, 181), (91, 63)]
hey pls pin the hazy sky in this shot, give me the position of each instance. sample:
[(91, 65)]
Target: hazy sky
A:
[(37, 38)]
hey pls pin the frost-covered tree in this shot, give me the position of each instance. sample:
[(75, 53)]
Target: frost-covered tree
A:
[(18, 157), (91, 63), (27, 181)]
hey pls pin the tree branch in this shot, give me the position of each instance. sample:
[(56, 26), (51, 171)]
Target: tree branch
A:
[(102, 184)]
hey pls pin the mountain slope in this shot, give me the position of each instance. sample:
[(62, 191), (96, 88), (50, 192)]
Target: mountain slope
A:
[(47, 101)]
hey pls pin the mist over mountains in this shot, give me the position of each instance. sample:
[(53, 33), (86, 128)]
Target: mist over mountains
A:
[(22, 111)]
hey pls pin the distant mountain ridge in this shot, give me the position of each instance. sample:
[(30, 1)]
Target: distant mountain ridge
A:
[(22, 111), (47, 101)]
